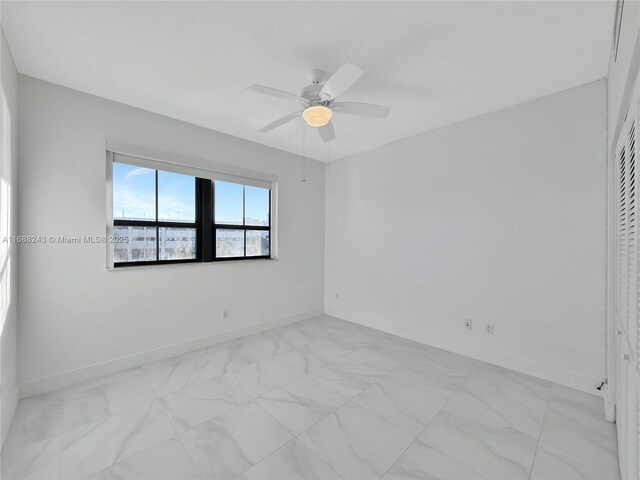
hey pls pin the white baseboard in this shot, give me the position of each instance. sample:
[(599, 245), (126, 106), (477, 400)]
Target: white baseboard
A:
[(68, 378), (545, 372)]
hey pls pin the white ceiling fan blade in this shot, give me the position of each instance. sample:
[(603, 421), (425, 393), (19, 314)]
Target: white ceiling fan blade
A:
[(327, 133), (340, 81), (274, 92), (280, 121), (361, 109)]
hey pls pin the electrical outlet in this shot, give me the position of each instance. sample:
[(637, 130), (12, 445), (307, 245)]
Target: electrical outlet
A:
[(467, 324), (225, 314), (489, 330)]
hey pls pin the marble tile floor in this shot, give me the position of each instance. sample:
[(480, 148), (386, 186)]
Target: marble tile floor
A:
[(318, 399)]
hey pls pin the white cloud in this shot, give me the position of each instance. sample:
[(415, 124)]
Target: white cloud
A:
[(138, 171)]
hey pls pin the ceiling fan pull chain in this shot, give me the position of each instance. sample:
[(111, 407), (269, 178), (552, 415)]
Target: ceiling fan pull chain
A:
[(304, 153)]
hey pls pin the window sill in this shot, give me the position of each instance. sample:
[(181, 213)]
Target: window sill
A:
[(188, 264)]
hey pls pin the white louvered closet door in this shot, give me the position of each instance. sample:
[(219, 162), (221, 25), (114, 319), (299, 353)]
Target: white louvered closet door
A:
[(627, 300), (633, 324), (621, 304)]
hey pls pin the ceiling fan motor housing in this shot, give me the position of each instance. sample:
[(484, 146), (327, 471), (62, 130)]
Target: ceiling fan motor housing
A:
[(311, 93)]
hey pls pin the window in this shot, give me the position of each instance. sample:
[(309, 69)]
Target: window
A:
[(166, 217), (154, 214), (241, 220)]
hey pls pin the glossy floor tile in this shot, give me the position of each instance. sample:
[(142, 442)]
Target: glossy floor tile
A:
[(37, 459), (195, 404), (553, 463), (356, 443), (404, 404), (94, 447), (329, 349), (593, 439), (302, 358), (37, 418), (381, 360), (420, 461), (524, 413), (177, 372), (86, 406), (166, 461), (230, 356), (494, 450), (301, 403), (346, 376), (265, 375), (442, 383), (515, 382), (230, 444), (292, 461), (97, 382), (436, 360), (317, 399)]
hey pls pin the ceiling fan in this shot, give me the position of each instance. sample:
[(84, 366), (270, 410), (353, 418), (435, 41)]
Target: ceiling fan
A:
[(317, 101)]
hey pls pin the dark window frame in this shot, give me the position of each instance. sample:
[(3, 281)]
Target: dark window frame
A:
[(205, 236), (244, 227)]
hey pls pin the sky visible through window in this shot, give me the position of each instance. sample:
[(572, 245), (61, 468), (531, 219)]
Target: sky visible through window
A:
[(228, 204), (176, 197), (256, 206), (134, 193)]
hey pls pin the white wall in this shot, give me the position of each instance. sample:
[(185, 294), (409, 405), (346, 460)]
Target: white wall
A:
[(77, 319), (499, 219), (8, 253)]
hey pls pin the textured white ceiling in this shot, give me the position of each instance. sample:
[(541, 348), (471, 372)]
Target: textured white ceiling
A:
[(433, 63)]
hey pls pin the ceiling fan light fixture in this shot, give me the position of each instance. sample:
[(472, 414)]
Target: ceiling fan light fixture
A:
[(317, 115)]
